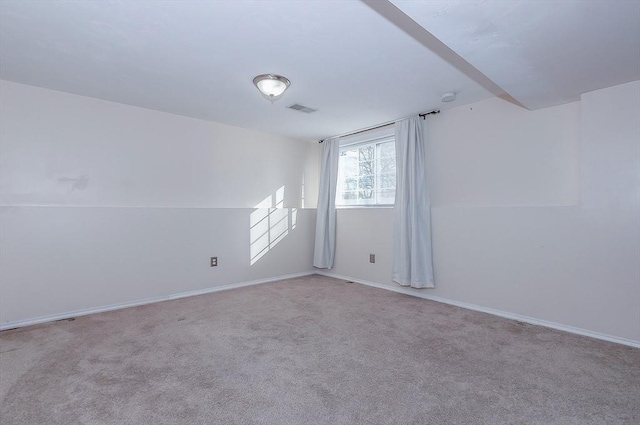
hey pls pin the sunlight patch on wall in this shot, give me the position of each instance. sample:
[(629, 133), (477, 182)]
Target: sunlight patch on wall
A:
[(269, 224)]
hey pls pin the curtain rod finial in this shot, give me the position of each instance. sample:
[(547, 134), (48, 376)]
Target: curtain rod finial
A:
[(424, 116)]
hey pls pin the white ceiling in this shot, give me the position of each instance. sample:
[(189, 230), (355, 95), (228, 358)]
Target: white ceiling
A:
[(541, 52), (358, 63)]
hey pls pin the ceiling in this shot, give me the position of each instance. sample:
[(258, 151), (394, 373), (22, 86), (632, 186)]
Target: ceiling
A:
[(359, 63)]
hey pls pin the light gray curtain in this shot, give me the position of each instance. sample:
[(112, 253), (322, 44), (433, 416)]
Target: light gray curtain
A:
[(412, 261), (325, 244)]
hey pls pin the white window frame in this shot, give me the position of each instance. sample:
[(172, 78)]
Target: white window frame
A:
[(370, 138)]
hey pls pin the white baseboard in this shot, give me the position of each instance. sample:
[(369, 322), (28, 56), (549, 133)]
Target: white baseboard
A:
[(102, 309), (506, 315)]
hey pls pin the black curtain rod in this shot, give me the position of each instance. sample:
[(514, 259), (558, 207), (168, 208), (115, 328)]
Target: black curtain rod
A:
[(423, 116)]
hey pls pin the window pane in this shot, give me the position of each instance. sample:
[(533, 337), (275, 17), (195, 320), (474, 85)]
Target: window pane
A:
[(366, 182), (352, 194), (367, 174), (386, 196), (366, 153), (367, 168), (349, 162), (387, 164), (387, 181), (387, 149)]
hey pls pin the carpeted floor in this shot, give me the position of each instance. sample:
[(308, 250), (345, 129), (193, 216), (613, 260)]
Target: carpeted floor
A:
[(313, 350)]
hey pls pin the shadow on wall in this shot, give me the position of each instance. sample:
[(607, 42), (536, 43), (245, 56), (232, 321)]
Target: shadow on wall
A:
[(269, 224)]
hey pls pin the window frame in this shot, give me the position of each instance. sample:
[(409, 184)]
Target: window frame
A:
[(374, 140)]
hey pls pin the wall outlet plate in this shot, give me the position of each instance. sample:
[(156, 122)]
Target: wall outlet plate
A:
[(372, 258), (214, 261)]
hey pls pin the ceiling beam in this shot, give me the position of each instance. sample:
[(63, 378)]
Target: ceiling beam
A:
[(393, 14)]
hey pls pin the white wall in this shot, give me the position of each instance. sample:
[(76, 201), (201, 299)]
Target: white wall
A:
[(496, 154), (534, 213), (63, 149), (103, 203)]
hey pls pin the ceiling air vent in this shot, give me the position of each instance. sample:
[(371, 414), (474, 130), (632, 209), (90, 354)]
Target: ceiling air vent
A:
[(301, 108)]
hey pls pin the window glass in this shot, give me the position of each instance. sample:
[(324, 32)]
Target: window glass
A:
[(367, 173)]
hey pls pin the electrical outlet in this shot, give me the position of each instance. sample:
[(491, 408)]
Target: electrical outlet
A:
[(372, 258), (214, 261)]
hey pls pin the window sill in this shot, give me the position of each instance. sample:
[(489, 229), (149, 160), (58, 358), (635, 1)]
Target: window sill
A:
[(349, 207)]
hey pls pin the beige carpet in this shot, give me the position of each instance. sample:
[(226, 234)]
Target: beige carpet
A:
[(311, 351)]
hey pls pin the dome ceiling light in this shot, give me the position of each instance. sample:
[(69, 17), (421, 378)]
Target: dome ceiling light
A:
[(271, 86)]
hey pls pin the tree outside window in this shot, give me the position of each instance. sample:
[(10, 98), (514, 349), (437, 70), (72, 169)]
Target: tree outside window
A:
[(367, 173)]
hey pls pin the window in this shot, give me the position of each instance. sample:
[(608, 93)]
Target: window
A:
[(367, 173)]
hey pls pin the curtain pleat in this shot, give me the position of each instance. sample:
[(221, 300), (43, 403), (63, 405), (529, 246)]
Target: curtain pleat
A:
[(325, 243), (412, 258)]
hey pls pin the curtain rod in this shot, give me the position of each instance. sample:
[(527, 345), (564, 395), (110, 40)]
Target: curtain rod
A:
[(423, 116)]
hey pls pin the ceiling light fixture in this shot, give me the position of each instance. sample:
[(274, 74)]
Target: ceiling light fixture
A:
[(448, 97), (271, 86)]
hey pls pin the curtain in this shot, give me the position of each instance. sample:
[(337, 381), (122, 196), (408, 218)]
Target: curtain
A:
[(325, 243), (412, 261)]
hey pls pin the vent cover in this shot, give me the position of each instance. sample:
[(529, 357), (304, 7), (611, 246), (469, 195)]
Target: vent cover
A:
[(301, 108)]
